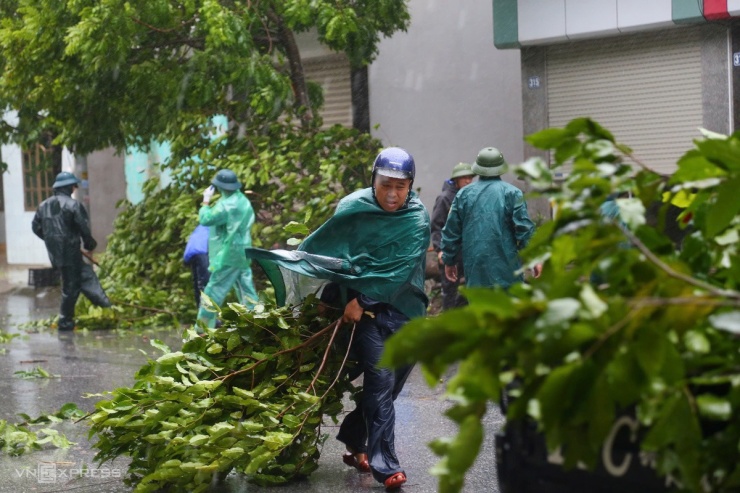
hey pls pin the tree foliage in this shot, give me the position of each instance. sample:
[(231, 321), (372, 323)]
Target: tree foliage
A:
[(621, 318), (115, 73), (291, 174), (20, 438), (249, 396), (92, 74)]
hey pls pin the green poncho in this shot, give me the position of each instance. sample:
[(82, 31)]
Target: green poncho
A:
[(362, 247)]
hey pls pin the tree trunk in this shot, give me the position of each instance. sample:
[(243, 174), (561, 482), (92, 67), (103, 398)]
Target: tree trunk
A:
[(297, 77)]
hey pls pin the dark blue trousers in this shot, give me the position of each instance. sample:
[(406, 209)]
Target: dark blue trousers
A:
[(370, 426), (199, 265)]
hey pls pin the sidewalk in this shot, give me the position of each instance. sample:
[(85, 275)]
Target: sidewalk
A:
[(100, 361)]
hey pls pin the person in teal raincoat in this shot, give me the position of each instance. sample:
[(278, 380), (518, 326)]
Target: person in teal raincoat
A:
[(373, 250), (230, 221), (489, 224)]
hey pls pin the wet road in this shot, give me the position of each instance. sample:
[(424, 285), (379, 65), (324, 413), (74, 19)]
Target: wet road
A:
[(95, 362)]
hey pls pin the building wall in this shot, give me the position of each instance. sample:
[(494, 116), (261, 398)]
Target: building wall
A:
[(443, 91), (107, 182), (546, 21)]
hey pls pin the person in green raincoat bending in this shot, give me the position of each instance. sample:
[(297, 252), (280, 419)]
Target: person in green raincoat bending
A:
[(373, 249), (230, 221), (489, 224)]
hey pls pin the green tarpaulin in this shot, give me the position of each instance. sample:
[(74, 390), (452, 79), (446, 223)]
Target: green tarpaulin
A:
[(362, 247)]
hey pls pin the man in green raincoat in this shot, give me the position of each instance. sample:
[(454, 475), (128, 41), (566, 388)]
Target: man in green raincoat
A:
[(489, 224), (230, 221), (374, 250)]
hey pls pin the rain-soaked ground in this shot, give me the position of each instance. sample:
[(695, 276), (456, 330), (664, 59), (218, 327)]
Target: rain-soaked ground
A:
[(98, 361)]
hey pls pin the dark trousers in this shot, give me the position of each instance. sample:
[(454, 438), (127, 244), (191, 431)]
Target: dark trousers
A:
[(199, 266), (76, 279), (451, 298), (370, 426)]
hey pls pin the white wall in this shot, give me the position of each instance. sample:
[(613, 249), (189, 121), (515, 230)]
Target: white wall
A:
[(23, 247), (733, 7), (443, 91), (541, 21)]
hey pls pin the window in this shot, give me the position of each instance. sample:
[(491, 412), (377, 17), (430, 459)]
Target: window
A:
[(40, 167)]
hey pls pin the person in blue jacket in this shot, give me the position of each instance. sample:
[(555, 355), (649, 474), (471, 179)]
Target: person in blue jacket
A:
[(196, 256), (489, 224)]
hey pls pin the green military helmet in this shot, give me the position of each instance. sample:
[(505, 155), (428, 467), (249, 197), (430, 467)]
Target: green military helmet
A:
[(226, 179), (64, 179), (490, 162), (462, 169)]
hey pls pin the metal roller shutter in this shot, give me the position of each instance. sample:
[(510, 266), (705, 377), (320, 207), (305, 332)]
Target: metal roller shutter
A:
[(333, 74), (645, 88)]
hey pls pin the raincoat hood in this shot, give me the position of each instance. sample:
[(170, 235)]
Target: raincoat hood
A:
[(362, 247)]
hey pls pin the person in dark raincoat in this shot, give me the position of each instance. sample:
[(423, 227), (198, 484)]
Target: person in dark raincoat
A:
[(230, 223), (462, 175), (373, 248), (62, 223), (488, 224)]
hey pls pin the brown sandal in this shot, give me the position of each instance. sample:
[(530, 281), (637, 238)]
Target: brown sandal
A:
[(358, 461), (395, 481)]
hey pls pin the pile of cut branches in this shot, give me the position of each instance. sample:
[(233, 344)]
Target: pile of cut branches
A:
[(249, 396)]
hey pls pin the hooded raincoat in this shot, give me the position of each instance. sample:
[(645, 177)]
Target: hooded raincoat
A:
[(62, 223), (362, 247), (230, 223), (488, 224)]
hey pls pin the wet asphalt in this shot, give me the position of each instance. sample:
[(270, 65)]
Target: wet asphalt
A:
[(98, 361)]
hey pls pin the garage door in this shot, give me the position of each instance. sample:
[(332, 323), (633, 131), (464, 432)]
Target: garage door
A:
[(333, 74), (646, 88)]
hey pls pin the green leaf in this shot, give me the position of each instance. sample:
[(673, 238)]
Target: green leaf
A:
[(632, 212), (726, 207), (215, 348), (697, 342), (233, 453), (198, 440), (591, 301), (559, 312), (170, 358), (549, 138), (233, 341), (714, 407), (160, 345), (295, 228)]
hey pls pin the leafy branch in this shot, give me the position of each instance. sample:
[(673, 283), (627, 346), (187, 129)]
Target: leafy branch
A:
[(199, 410)]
